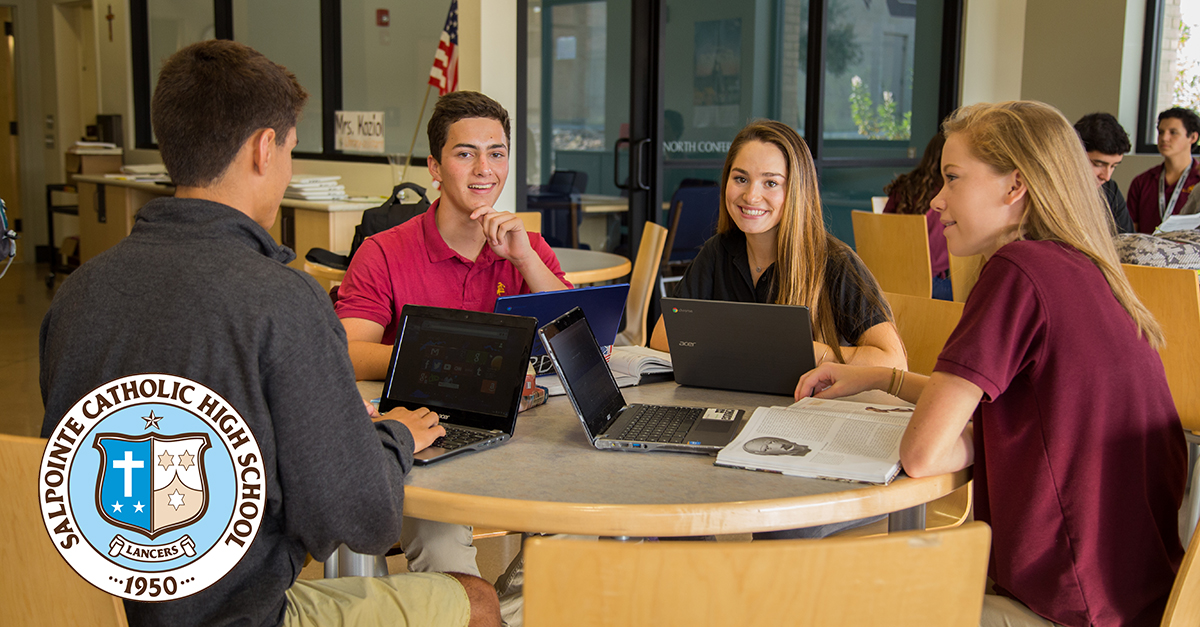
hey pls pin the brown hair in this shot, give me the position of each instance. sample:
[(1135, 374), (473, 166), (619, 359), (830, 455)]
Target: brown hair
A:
[(803, 245), (913, 191), (459, 105), (211, 97), (1062, 205)]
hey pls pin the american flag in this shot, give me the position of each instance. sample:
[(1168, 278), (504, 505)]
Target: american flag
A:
[(444, 74)]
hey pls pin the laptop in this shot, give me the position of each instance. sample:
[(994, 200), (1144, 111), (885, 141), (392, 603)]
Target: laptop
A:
[(610, 422), (604, 306), (467, 366), (748, 347)]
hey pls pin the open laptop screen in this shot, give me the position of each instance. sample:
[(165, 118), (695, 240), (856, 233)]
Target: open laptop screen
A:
[(585, 374), (468, 365)]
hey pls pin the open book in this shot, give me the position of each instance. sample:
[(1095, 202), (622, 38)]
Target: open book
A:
[(629, 364), (822, 439), (1179, 223)]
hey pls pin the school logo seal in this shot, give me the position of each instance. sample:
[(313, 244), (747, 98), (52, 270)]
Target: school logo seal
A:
[(152, 487)]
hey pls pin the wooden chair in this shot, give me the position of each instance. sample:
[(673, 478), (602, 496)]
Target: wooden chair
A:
[(37, 587), (931, 579), (532, 220), (964, 272), (1183, 606), (1172, 295), (895, 248), (645, 269)]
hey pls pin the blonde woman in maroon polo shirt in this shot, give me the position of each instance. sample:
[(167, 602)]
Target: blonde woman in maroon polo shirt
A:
[(1079, 458)]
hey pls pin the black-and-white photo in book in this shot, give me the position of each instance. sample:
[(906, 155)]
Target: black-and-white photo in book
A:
[(630, 365), (822, 439)]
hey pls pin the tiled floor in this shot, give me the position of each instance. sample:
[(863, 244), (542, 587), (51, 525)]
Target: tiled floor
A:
[(24, 299)]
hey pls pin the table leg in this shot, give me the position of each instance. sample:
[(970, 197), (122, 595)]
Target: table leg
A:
[(911, 519), (347, 563)]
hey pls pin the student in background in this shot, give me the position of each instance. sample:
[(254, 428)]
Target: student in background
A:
[(1079, 474), (910, 194), (1106, 144), (1164, 189), (771, 246)]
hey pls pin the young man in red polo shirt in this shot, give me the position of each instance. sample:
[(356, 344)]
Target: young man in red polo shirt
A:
[(462, 253)]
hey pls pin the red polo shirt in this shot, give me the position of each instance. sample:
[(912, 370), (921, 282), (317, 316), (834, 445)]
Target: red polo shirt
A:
[(1080, 459), (412, 264)]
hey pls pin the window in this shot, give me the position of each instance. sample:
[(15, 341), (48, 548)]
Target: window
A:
[(1170, 64), (350, 55)]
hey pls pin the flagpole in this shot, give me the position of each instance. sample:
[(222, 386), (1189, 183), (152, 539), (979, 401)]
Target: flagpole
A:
[(416, 131)]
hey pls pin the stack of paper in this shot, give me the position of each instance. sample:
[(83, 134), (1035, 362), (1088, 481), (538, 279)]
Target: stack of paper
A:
[(314, 187), (94, 148), (146, 173)]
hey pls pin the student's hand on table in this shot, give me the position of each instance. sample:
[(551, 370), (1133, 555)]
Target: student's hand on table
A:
[(371, 411), (422, 423), (831, 380), (505, 233)]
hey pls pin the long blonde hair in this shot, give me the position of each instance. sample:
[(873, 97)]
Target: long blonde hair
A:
[(802, 243), (1062, 204)]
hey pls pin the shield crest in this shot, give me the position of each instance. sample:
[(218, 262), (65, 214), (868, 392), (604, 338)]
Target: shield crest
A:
[(152, 484)]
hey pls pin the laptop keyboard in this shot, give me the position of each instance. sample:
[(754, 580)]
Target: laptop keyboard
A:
[(457, 438), (655, 423)]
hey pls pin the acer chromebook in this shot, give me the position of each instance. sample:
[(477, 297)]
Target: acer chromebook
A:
[(748, 347), (603, 305), (467, 366), (610, 422)]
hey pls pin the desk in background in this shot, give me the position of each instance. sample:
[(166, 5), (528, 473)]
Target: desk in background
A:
[(591, 266), (106, 217)]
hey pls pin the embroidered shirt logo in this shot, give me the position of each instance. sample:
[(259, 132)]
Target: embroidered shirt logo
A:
[(152, 487), (500, 291)]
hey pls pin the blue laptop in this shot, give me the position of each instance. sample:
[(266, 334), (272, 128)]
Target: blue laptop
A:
[(604, 305)]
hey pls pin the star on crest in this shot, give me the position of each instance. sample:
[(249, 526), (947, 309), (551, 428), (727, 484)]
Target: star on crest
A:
[(117, 507), (176, 500), (166, 460), (152, 421), (185, 460), (138, 507)]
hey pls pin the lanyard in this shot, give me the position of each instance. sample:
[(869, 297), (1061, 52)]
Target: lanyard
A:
[(1165, 209)]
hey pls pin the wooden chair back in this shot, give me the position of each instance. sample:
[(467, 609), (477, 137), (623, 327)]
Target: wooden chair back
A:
[(931, 579), (641, 285), (895, 248), (924, 324), (964, 272), (1183, 606), (1172, 295), (37, 587), (532, 220)]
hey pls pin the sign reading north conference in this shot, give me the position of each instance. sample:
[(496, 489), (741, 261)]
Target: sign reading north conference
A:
[(152, 487)]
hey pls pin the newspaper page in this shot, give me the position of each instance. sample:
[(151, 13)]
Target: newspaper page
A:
[(824, 439)]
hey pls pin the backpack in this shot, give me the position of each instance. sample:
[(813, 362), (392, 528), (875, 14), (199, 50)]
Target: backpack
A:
[(375, 220)]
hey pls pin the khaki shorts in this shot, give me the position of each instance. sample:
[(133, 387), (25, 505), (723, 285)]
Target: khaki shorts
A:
[(408, 599)]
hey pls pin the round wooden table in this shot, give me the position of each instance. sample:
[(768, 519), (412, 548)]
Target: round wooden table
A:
[(591, 266), (549, 479)]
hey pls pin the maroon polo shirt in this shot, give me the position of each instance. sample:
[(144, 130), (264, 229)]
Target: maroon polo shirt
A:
[(1142, 198), (1080, 459), (412, 264)]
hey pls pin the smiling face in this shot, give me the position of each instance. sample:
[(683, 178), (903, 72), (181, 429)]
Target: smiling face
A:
[(474, 164), (1103, 165), (1173, 138), (980, 209), (757, 187)]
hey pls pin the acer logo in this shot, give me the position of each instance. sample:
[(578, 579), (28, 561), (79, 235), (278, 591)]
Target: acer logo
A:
[(681, 343)]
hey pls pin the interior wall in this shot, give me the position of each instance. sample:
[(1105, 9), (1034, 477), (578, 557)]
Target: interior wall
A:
[(993, 49)]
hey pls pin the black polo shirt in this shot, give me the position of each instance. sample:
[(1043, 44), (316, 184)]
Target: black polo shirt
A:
[(721, 271)]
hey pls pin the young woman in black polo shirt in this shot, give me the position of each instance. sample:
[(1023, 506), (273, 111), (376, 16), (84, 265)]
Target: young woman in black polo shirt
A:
[(771, 246)]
